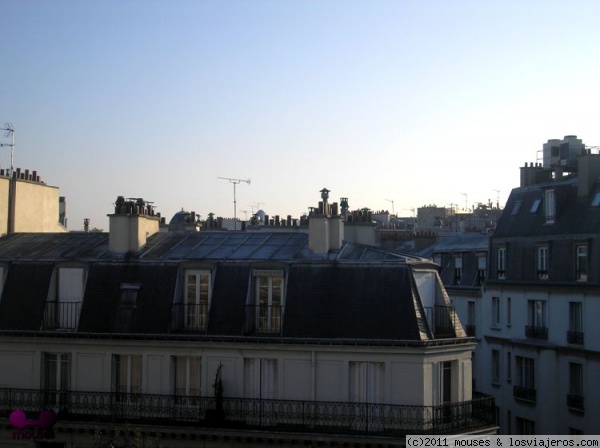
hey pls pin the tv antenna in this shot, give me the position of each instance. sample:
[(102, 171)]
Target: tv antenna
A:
[(9, 132), (393, 210), (497, 198), (235, 182), (466, 201)]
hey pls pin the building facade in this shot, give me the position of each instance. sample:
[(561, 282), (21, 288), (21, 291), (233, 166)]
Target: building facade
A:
[(29, 205), (541, 347), (227, 337)]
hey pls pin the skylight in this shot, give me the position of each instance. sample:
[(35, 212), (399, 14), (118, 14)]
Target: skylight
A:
[(535, 205), (516, 208), (596, 200)]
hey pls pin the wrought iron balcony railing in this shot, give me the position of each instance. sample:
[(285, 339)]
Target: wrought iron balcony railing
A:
[(442, 320), (189, 317), (575, 402), (532, 331), (61, 316), (245, 413), (263, 319), (524, 393), (575, 337)]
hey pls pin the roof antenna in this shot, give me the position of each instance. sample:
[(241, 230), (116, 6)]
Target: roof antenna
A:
[(235, 182), (10, 132)]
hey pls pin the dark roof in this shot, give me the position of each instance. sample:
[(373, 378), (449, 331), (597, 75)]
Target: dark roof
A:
[(358, 292), (573, 215)]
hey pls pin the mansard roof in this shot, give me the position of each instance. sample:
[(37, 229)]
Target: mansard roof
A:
[(357, 293), (574, 215)]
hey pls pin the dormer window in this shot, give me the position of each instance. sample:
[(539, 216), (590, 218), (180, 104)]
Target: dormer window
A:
[(535, 205), (191, 314), (457, 269), (549, 206), (64, 299), (501, 263), (266, 311)]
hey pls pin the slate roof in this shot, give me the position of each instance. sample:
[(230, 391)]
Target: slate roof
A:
[(573, 215), (358, 292)]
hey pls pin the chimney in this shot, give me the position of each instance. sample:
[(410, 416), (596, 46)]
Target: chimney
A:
[(130, 226), (325, 227)]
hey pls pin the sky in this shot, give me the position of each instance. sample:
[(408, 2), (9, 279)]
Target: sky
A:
[(392, 104)]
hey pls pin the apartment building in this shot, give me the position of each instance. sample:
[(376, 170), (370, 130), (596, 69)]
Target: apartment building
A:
[(541, 346), (30, 205), (227, 337)]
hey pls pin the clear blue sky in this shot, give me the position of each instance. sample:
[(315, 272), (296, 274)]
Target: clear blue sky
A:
[(419, 102)]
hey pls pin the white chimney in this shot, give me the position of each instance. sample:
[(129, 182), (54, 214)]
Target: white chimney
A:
[(325, 227), (131, 225)]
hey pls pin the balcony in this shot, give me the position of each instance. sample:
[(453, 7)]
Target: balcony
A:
[(263, 319), (61, 316), (575, 402), (442, 321), (189, 317), (575, 337), (524, 393), (316, 417), (471, 330), (532, 331)]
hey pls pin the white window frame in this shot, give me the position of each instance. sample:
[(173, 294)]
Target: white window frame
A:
[(543, 253), (501, 263), (536, 313), (186, 376), (197, 294), (63, 307), (269, 300), (127, 374)]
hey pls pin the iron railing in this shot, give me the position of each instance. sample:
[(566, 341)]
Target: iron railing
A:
[(61, 315), (263, 319), (575, 337), (189, 317), (442, 321), (575, 402), (524, 393), (245, 413), (533, 331)]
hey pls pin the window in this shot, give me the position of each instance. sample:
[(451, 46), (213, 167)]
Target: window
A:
[(446, 383), (127, 307), (535, 205), (186, 376), (516, 208), (366, 382), (525, 386), (542, 263), (575, 398), (501, 263), (457, 269), (536, 317), (3, 270), (471, 325), (127, 375), (495, 312), (260, 378), (481, 267), (64, 301), (56, 378), (508, 367), (581, 263), (575, 332), (524, 426), (196, 300), (508, 311), (596, 200), (495, 366), (268, 300), (549, 206)]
